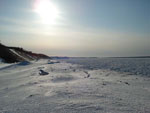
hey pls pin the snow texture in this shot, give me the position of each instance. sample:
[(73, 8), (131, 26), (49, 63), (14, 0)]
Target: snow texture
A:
[(74, 88), (137, 66)]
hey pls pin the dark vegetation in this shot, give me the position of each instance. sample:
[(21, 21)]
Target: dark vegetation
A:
[(16, 54)]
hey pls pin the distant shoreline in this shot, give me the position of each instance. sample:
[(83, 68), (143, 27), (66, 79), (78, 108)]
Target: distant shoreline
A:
[(131, 57), (59, 57)]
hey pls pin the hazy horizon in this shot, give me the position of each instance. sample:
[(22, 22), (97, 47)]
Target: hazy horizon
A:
[(85, 28)]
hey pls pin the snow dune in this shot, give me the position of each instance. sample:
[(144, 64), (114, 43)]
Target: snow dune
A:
[(47, 86)]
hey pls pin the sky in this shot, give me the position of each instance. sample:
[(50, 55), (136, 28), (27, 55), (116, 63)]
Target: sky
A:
[(89, 28)]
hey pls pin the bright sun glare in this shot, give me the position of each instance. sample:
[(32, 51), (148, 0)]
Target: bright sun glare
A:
[(47, 11)]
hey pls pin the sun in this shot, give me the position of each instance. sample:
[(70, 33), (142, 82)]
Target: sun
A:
[(47, 11)]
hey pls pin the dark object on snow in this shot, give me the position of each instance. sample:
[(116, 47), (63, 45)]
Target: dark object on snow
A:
[(127, 83), (42, 72)]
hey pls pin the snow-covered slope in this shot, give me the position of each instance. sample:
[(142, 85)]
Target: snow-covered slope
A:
[(48, 86), (16, 54), (19, 55)]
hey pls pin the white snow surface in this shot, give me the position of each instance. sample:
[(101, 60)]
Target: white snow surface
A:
[(71, 88), (137, 66)]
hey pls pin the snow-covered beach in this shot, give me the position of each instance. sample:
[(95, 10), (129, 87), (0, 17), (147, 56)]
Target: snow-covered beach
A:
[(75, 86)]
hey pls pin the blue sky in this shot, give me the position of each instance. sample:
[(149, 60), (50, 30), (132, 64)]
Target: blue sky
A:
[(82, 28)]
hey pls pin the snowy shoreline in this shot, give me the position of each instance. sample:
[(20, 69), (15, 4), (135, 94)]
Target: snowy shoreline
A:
[(47, 86)]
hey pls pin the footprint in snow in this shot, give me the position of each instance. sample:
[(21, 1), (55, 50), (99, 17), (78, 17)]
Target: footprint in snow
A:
[(61, 79), (32, 95), (88, 75)]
